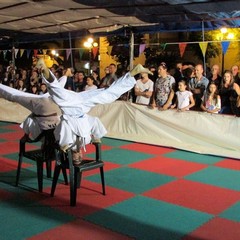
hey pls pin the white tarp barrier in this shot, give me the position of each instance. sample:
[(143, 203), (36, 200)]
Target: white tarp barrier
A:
[(199, 132)]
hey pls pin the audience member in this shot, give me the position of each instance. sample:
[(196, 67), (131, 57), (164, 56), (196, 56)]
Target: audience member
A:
[(184, 99), (90, 84), (144, 88), (111, 77), (198, 85), (164, 86), (211, 101)]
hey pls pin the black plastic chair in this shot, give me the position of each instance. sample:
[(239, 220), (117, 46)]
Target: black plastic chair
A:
[(44, 154), (65, 161)]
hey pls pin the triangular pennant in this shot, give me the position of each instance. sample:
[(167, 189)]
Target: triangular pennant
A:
[(35, 52), (182, 47), (28, 53), (109, 49), (163, 45), (16, 52), (203, 46), (4, 54), (95, 51), (21, 52), (225, 46), (44, 51), (141, 48), (81, 51), (68, 52)]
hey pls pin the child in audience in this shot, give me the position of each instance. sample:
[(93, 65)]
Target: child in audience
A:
[(211, 101), (184, 99)]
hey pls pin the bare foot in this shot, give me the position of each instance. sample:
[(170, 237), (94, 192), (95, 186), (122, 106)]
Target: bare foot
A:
[(139, 69)]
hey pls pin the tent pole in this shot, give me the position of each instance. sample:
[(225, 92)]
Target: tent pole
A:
[(70, 46), (203, 39), (131, 51), (131, 55)]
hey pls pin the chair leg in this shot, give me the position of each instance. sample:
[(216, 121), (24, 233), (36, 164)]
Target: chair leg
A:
[(55, 178), (49, 168), (40, 175), (19, 169), (73, 186), (102, 180), (64, 172)]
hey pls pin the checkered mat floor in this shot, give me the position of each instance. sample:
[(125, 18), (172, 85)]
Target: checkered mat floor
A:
[(152, 193)]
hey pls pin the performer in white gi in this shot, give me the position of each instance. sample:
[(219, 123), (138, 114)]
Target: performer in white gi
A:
[(75, 122)]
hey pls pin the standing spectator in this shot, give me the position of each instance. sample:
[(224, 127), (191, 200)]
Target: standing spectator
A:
[(225, 92), (211, 101), (144, 88), (215, 76), (235, 72), (164, 87), (43, 89), (90, 84), (21, 86), (111, 77), (184, 97), (95, 75), (198, 85), (79, 81)]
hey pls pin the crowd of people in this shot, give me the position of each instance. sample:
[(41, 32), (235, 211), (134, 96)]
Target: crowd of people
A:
[(186, 87)]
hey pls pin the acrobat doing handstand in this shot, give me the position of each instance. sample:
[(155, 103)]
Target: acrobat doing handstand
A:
[(75, 122)]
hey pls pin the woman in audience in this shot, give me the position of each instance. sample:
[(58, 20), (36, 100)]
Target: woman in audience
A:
[(225, 92), (90, 84)]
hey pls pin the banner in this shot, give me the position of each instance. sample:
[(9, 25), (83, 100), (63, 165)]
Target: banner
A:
[(141, 48), (203, 46), (182, 47), (225, 46)]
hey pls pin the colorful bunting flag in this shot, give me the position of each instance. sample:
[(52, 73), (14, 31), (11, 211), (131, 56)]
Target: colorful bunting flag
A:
[(225, 46), (142, 47), (16, 52), (109, 49), (28, 52), (21, 52), (182, 47), (203, 46), (68, 52), (95, 51)]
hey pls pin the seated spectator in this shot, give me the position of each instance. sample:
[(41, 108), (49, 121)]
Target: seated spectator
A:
[(211, 101)]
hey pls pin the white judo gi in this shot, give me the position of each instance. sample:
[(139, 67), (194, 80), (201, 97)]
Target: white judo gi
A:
[(45, 113), (74, 120)]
